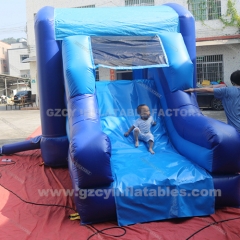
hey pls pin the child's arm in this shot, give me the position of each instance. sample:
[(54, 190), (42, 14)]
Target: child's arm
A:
[(126, 134), (153, 122)]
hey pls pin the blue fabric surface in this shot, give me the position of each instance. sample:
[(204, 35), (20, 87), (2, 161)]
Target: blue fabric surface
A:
[(79, 75), (136, 171), (180, 72), (120, 21), (187, 29), (54, 143), (49, 63), (193, 133)]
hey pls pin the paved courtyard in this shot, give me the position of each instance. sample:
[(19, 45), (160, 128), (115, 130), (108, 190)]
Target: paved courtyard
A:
[(219, 115), (17, 125)]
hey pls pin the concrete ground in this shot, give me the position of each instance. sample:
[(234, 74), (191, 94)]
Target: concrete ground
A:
[(219, 115), (17, 125)]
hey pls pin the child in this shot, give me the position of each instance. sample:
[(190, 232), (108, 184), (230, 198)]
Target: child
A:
[(141, 127)]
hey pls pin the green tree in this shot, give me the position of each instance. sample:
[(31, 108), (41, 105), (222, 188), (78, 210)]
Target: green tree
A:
[(9, 40), (231, 18)]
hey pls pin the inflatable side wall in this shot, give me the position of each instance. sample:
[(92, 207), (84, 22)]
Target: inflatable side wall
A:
[(54, 142), (89, 147), (208, 137)]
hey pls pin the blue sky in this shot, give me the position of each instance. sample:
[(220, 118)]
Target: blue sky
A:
[(12, 18)]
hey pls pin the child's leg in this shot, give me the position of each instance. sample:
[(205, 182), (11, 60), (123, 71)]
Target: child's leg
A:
[(136, 133), (150, 142)]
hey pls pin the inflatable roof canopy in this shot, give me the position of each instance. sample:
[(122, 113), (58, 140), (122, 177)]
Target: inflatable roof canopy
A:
[(194, 168)]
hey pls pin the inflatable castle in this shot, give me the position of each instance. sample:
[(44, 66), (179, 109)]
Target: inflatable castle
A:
[(196, 164)]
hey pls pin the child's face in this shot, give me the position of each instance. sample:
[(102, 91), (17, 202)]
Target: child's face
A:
[(144, 112)]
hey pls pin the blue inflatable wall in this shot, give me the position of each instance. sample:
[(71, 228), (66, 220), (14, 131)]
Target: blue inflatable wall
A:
[(197, 159)]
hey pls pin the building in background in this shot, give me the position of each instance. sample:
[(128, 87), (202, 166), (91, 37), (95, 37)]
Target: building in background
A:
[(4, 57), (17, 67), (14, 75), (217, 44), (16, 56)]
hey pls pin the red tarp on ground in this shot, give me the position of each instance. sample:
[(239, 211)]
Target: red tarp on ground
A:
[(21, 219)]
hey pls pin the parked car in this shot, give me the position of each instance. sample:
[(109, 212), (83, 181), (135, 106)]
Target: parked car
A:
[(22, 94), (207, 100)]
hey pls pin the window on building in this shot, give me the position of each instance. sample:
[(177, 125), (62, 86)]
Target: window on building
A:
[(23, 57), (205, 9), (87, 6), (3, 50), (139, 2), (210, 68), (124, 74)]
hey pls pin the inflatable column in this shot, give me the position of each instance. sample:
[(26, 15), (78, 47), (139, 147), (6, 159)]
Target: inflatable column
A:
[(54, 142)]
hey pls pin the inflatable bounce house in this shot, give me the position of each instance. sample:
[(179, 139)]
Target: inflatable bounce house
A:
[(196, 164)]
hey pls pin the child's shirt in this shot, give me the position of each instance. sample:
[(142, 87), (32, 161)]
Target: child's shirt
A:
[(144, 125)]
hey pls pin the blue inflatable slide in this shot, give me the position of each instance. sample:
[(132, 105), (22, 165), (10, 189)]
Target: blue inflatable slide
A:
[(196, 163)]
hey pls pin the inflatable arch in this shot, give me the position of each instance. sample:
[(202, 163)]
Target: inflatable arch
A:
[(197, 159)]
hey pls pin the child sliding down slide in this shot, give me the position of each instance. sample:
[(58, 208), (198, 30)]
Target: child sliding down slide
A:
[(141, 127)]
